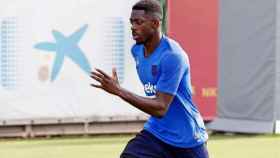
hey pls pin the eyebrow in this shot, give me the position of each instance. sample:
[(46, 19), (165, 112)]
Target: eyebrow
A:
[(136, 17)]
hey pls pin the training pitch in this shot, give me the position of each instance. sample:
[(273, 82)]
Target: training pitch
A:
[(220, 146)]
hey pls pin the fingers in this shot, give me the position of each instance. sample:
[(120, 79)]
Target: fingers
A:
[(97, 77), (96, 86), (100, 76), (114, 73), (103, 73)]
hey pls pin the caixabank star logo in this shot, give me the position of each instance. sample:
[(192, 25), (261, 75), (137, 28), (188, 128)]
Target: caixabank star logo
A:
[(15, 51), (66, 47)]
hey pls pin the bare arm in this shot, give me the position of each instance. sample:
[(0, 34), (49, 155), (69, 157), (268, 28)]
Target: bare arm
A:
[(157, 106)]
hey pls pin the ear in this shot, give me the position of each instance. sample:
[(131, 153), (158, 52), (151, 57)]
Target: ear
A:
[(156, 24)]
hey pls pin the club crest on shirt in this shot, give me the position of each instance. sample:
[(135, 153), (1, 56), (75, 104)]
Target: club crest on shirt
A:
[(154, 70)]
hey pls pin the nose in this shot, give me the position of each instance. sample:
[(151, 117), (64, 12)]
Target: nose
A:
[(133, 28)]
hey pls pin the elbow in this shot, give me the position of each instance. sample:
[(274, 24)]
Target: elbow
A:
[(161, 111), (160, 114)]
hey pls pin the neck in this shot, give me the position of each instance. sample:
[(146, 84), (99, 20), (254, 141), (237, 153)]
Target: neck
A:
[(152, 44)]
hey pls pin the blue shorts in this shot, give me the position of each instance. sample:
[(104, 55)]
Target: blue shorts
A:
[(146, 145)]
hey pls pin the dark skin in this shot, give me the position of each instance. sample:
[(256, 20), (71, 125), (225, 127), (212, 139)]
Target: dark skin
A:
[(145, 30)]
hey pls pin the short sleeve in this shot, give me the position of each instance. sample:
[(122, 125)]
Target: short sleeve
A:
[(173, 66), (134, 50)]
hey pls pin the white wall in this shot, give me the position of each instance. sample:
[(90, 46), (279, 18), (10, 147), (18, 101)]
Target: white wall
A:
[(32, 94)]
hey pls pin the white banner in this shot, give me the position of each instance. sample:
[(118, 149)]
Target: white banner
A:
[(47, 49)]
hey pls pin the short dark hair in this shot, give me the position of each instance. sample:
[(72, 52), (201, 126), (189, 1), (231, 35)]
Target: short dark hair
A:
[(151, 7)]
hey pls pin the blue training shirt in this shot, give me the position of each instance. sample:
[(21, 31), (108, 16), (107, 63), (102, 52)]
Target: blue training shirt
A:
[(167, 70)]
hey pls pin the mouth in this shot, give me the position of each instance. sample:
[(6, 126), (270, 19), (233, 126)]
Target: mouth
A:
[(135, 36)]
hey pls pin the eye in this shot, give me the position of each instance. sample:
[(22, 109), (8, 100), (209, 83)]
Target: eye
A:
[(136, 22), (139, 22)]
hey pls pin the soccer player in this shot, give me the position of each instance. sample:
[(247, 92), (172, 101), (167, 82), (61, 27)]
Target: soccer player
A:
[(175, 128)]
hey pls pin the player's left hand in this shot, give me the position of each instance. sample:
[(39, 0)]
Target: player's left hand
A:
[(108, 83)]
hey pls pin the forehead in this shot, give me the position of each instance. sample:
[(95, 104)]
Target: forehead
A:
[(138, 14)]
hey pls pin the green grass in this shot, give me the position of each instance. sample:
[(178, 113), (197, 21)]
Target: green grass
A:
[(245, 146), (220, 146)]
